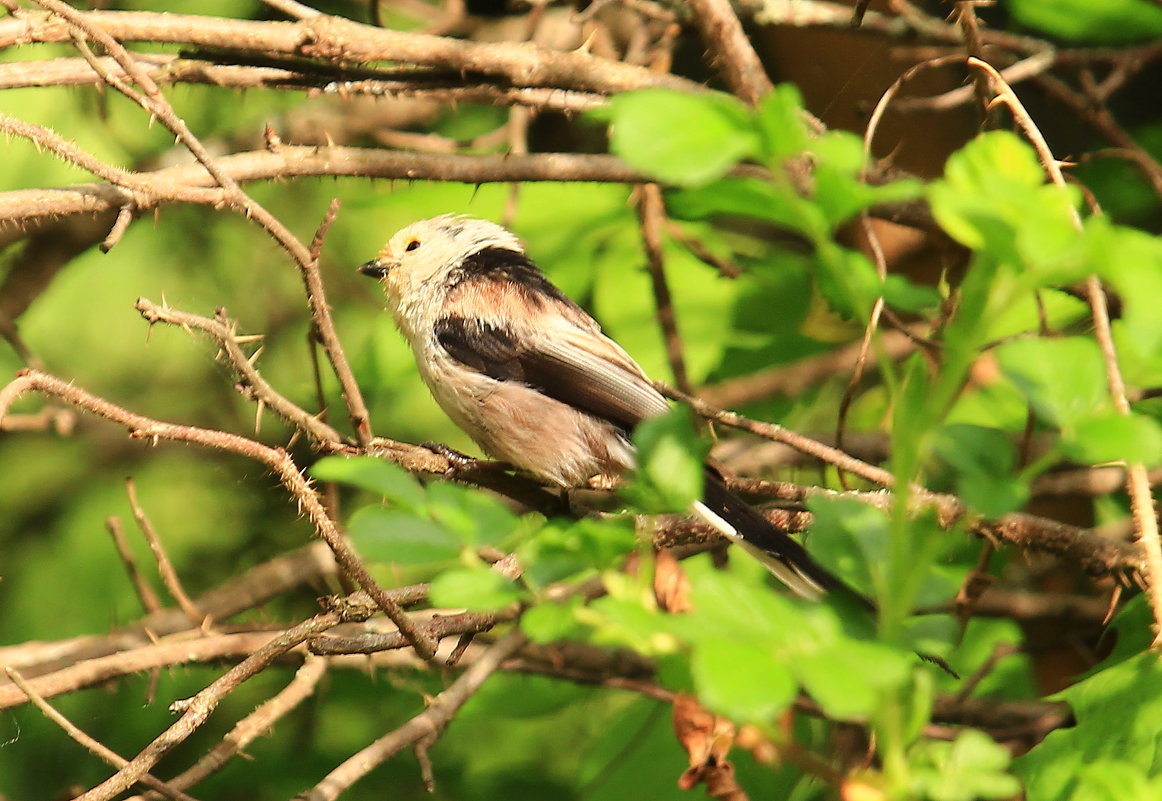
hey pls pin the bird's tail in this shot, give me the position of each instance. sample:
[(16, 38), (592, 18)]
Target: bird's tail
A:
[(783, 556)]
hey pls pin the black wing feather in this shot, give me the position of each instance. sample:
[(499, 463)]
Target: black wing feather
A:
[(498, 353)]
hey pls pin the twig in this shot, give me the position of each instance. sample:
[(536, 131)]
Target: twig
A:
[(428, 723), (149, 599), (730, 48), (256, 724), (165, 568), (794, 378), (95, 747), (276, 459), (196, 710), (324, 328), (1095, 554), (777, 433), (440, 626), (224, 332), (191, 184), (652, 214), (154, 102), (166, 68)]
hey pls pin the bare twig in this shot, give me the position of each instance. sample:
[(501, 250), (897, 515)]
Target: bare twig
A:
[(165, 568), (224, 332), (333, 38), (652, 215), (149, 599), (430, 722), (196, 710), (730, 48), (276, 459), (257, 723), (164, 789), (794, 378)]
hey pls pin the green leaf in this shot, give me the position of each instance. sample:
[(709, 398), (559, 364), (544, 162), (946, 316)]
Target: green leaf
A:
[(386, 535), (632, 623), (753, 198), (1107, 22), (970, 768), (740, 680), (900, 293), (849, 678), (1115, 780), (1111, 436), (479, 518), (549, 622), (983, 460), (680, 138), (851, 539), (1063, 379), (993, 199), (671, 460), (781, 123), (1132, 262), (374, 475), (1117, 712), (561, 549), (479, 589), (727, 605)]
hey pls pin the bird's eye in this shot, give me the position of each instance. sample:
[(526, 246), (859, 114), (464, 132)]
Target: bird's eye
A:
[(412, 245)]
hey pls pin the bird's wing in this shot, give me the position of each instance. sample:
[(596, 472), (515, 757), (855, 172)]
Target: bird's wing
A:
[(575, 365)]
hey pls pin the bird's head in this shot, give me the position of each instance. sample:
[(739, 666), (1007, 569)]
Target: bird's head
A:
[(420, 257)]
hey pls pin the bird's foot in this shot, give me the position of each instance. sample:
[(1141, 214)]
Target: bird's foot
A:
[(461, 463)]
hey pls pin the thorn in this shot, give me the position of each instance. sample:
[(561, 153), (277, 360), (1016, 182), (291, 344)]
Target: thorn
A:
[(588, 43), (271, 139)]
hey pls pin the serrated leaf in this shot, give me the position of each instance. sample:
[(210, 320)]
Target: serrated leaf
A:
[(780, 120), (476, 516), (970, 768), (1117, 712), (983, 460), (900, 293), (549, 622), (1063, 379), (848, 679)]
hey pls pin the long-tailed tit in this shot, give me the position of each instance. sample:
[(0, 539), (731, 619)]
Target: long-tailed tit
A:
[(531, 378)]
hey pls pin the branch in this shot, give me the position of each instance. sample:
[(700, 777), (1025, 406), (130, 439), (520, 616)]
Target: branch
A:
[(192, 184), (196, 710), (731, 49), (334, 38), (276, 459), (427, 724), (94, 746)]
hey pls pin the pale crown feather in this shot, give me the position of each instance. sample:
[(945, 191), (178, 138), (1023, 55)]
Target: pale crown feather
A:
[(420, 256)]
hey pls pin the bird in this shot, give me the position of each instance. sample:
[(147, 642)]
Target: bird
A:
[(532, 379)]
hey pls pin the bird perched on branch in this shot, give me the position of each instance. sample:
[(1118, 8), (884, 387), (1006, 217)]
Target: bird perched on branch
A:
[(529, 375)]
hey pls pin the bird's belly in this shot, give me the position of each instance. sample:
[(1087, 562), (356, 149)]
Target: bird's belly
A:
[(519, 425)]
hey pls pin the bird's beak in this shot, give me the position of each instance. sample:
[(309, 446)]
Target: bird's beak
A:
[(375, 268)]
